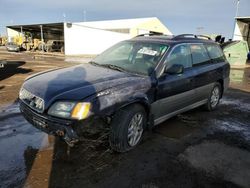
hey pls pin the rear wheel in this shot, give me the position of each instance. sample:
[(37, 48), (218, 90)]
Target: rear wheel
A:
[(214, 97), (127, 128), (48, 49)]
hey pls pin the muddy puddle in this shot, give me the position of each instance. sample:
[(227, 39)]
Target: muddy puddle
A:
[(240, 78), (16, 138), (178, 127)]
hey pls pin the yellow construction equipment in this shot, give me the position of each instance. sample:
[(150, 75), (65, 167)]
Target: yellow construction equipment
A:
[(3, 41)]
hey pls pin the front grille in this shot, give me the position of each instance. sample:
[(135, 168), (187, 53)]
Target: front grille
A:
[(32, 100)]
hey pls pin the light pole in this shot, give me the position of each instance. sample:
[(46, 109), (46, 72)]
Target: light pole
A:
[(236, 15), (41, 29), (237, 8)]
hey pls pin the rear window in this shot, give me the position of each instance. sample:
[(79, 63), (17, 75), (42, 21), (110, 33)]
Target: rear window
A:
[(215, 53), (199, 54)]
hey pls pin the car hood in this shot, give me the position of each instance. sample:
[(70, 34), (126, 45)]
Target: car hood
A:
[(76, 83)]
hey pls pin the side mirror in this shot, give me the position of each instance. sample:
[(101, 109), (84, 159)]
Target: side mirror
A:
[(174, 69)]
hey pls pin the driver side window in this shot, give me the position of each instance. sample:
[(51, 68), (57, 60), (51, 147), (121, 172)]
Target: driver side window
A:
[(180, 55)]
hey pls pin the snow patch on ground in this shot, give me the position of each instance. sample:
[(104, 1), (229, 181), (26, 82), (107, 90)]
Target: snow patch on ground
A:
[(234, 126), (236, 102), (12, 109)]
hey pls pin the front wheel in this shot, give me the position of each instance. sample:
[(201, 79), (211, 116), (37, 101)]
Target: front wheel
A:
[(127, 128), (214, 97)]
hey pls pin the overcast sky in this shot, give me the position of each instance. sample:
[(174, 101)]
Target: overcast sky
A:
[(180, 16)]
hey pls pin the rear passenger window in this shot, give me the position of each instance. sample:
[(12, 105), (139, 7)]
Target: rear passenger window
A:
[(199, 54), (215, 53), (180, 55)]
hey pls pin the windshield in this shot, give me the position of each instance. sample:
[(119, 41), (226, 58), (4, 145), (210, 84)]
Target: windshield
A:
[(134, 57)]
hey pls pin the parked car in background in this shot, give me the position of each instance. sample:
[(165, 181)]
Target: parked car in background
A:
[(12, 47), (54, 46), (132, 86)]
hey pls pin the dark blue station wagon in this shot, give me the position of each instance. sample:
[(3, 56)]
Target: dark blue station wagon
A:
[(130, 87)]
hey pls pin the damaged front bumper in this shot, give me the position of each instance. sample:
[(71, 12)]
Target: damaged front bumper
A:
[(54, 126)]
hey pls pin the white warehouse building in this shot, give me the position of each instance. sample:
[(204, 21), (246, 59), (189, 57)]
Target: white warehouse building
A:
[(90, 37)]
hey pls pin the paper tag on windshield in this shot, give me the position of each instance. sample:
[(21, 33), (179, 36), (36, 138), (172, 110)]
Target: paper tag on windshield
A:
[(147, 51)]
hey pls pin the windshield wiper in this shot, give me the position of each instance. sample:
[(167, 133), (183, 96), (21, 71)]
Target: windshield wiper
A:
[(110, 66), (114, 67), (94, 63), (107, 65)]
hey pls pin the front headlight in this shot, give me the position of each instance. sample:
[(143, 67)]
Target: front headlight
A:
[(70, 110), (81, 110)]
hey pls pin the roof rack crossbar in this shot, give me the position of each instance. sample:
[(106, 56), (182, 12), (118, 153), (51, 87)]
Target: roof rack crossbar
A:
[(192, 36)]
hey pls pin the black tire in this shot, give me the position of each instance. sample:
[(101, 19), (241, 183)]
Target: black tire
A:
[(120, 124), (213, 102), (48, 49), (41, 47)]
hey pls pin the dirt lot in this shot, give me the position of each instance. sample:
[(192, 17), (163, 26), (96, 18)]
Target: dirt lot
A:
[(195, 149)]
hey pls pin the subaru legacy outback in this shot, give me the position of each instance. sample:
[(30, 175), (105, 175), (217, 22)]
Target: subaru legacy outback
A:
[(132, 86)]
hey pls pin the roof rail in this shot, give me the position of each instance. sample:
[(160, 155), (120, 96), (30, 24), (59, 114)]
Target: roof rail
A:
[(191, 36), (203, 37), (149, 34)]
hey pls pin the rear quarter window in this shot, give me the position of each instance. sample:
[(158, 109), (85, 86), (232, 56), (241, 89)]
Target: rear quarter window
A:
[(215, 52), (199, 54)]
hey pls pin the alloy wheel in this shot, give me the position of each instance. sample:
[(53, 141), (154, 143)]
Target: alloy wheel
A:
[(135, 129)]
